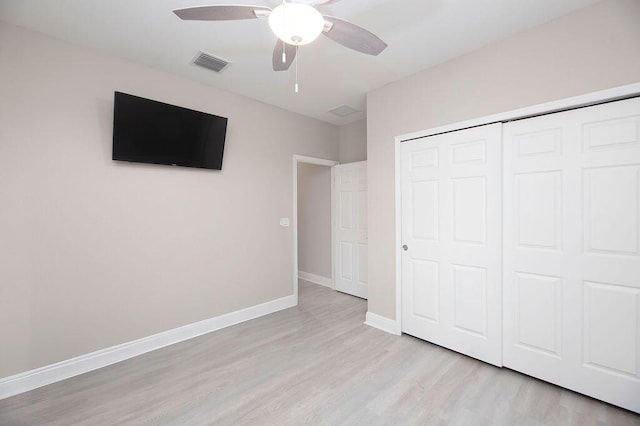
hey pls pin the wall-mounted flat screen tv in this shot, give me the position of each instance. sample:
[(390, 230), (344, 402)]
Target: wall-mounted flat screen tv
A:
[(147, 131)]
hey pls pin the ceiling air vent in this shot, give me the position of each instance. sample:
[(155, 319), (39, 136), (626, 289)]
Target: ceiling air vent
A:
[(210, 62), (343, 110)]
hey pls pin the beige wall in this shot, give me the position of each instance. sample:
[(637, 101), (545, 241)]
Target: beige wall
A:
[(93, 252), (352, 142), (593, 49), (314, 219)]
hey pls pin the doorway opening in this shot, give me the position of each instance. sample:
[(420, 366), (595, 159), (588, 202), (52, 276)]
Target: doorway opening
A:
[(313, 221)]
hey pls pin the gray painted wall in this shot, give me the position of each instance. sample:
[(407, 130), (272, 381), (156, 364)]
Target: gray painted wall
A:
[(94, 253), (352, 142), (314, 219)]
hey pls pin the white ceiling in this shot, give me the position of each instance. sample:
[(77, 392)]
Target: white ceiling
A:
[(420, 34)]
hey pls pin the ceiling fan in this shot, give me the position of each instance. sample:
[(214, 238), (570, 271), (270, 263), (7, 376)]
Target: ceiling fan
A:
[(295, 23)]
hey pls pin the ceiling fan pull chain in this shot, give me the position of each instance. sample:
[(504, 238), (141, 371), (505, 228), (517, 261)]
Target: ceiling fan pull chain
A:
[(284, 53), (297, 56), (284, 48)]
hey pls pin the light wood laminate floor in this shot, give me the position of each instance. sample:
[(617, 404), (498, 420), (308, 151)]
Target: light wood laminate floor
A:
[(313, 364)]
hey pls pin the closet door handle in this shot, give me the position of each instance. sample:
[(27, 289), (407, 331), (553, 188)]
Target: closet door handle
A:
[(405, 247)]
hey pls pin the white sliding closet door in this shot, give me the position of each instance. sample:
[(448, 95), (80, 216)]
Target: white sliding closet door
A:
[(451, 228), (350, 228), (572, 250)]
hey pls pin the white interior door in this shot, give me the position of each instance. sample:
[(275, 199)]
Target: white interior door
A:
[(451, 228), (572, 250), (350, 228)]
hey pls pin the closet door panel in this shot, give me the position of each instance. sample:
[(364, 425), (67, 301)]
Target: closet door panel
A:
[(572, 250), (451, 227)]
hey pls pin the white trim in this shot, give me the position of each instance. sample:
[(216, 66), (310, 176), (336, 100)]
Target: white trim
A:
[(294, 215), (316, 279), (320, 162), (398, 201), (381, 323), (608, 95), (29, 380), (315, 160), (333, 225)]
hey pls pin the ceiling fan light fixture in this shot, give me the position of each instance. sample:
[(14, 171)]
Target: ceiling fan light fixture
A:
[(296, 23)]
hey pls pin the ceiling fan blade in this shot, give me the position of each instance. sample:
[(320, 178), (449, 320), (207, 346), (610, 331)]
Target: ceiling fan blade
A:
[(353, 36), (221, 13), (290, 54)]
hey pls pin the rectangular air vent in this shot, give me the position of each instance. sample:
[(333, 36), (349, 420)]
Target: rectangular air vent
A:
[(343, 110), (210, 62)]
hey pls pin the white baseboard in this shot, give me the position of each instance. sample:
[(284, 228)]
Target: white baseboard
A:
[(316, 279), (381, 323), (29, 380)]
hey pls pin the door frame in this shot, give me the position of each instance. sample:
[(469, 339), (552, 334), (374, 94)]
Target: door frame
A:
[(594, 98), (318, 162)]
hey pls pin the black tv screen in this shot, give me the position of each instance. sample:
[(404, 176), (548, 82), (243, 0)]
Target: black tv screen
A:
[(147, 131)]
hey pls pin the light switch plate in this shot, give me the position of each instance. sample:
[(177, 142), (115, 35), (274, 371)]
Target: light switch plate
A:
[(284, 222)]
